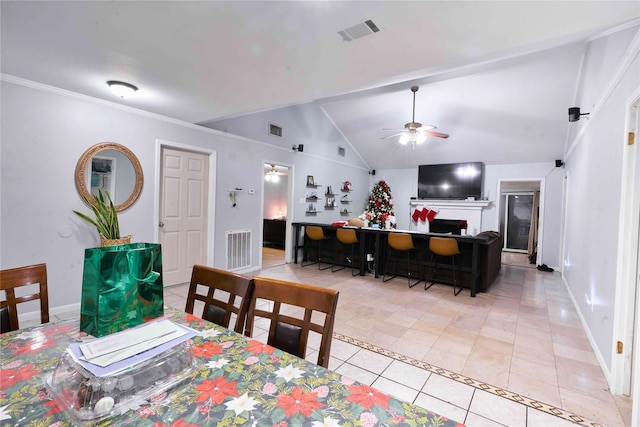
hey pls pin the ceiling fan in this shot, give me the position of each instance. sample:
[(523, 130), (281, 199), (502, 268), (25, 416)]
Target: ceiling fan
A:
[(272, 174), (413, 132)]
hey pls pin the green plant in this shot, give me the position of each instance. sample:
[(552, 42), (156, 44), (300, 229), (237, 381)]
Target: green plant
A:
[(106, 216)]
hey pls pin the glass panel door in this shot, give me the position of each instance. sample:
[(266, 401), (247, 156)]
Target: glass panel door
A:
[(518, 221)]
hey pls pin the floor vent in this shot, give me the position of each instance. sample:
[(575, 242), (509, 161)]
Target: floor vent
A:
[(238, 250)]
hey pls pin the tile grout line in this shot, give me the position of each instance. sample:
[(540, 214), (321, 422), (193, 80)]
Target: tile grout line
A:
[(514, 397)]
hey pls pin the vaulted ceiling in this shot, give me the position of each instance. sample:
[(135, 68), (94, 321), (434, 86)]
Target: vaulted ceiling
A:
[(497, 76)]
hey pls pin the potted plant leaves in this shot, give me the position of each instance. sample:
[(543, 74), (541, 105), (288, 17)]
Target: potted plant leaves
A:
[(106, 219)]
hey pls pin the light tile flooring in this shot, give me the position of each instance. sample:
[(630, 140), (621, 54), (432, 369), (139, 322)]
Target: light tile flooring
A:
[(513, 356), (459, 355)]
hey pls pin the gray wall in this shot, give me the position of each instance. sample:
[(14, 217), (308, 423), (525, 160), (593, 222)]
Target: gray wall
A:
[(594, 176), (44, 133)]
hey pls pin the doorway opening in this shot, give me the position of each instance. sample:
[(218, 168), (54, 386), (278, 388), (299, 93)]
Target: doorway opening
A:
[(275, 214), (519, 221)]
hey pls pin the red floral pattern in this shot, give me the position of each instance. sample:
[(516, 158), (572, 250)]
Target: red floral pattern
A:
[(216, 390), (257, 347), (368, 396), (238, 384), (11, 377), (207, 350), (298, 401)]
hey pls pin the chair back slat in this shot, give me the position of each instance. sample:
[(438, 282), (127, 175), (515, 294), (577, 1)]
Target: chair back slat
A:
[(14, 278), (315, 301), (216, 309)]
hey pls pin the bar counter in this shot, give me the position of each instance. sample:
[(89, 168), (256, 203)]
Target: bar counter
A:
[(373, 242)]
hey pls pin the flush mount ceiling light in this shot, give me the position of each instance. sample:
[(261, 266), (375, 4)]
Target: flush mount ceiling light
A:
[(122, 89)]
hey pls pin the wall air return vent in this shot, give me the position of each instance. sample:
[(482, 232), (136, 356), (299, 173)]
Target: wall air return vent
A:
[(275, 130), (359, 30)]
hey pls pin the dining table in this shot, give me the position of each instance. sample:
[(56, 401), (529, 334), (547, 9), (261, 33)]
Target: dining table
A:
[(239, 382)]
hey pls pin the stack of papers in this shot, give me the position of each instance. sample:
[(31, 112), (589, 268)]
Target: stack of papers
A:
[(117, 352)]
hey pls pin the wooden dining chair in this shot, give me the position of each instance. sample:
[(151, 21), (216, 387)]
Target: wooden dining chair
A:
[(13, 278), (218, 290), (289, 308)]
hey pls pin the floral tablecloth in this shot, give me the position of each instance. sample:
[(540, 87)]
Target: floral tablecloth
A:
[(242, 382)]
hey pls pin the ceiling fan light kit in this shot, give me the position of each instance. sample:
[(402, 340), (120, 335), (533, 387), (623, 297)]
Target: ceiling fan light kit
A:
[(122, 89), (413, 132)]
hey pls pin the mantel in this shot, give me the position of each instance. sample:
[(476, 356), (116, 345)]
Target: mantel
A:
[(468, 210), (477, 204)]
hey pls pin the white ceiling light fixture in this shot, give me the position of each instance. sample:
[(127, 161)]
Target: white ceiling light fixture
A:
[(122, 89), (413, 132), (272, 175)]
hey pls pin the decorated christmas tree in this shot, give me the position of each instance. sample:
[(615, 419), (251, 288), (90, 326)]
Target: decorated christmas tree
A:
[(379, 207)]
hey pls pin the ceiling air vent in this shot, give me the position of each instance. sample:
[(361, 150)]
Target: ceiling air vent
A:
[(360, 30), (275, 130), (340, 151)]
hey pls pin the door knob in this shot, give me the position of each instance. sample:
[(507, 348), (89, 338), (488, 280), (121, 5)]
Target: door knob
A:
[(161, 224)]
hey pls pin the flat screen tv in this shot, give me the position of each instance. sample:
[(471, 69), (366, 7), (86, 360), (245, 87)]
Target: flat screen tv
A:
[(454, 181)]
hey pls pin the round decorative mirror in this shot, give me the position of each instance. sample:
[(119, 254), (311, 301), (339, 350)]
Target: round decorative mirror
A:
[(112, 167)]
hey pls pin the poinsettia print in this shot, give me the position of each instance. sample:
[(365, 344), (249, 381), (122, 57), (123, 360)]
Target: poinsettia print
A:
[(207, 350), (368, 396), (299, 401), (216, 390), (11, 377)]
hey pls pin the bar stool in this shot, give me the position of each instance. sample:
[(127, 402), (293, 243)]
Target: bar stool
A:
[(346, 236), (443, 247), (315, 234), (401, 242)]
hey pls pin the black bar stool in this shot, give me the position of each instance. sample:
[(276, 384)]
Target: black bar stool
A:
[(346, 237), (443, 247), (401, 242), (316, 234)]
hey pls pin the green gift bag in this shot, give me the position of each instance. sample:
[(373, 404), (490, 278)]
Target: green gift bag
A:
[(121, 287)]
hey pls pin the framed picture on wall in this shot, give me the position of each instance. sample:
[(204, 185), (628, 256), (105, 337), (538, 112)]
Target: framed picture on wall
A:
[(331, 202), (310, 180)]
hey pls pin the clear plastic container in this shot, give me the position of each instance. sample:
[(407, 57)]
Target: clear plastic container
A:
[(88, 398)]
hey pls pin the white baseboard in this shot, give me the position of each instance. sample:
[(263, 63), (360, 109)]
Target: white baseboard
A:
[(596, 350)]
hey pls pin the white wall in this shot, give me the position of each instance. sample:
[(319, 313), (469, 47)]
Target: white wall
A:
[(593, 168), (404, 185), (44, 133)]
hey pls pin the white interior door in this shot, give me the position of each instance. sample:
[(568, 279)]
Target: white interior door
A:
[(183, 213)]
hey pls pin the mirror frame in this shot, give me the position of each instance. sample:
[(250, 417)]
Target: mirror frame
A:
[(85, 159)]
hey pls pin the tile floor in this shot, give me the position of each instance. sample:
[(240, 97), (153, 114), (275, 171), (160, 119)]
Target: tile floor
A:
[(513, 356)]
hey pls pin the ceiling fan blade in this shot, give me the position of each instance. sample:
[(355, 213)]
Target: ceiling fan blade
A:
[(395, 130), (391, 136), (438, 134)]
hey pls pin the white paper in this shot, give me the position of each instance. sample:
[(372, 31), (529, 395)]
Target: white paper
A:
[(117, 347)]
